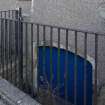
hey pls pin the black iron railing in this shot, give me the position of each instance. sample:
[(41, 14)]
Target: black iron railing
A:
[(19, 55)]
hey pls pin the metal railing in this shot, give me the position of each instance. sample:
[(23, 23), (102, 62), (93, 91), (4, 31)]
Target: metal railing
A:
[(20, 43)]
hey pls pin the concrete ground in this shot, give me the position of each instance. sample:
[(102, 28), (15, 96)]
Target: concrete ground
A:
[(1, 102), (10, 95)]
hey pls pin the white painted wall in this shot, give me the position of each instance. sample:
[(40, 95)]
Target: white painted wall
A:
[(13, 4), (80, 14), (7, 4)]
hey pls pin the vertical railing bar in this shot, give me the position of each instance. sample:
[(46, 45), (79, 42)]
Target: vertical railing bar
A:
[(10, 67), (21, 49), (32, 92), (21, 55), (11, 49), (18, 54), (37, 57), (9, 14), (96, 66), (66, 69), (16, 26), (12, 14), (9, 46), (85, 68), (26, 33), (51, 56), (6, 50), (58, 61), (75, 71), (3, 48), (4, 53), (44, 52), (5, 14), (1, 44), (1, 14), (13, 52), (15, 46)]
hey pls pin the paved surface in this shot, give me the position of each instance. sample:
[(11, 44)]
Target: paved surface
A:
[(1, 102), (10, 95)]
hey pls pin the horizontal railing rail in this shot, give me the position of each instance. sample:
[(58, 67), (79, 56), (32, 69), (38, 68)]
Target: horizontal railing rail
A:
[(55, 26)]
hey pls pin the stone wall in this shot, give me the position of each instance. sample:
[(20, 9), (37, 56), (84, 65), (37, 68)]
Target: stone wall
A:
[(81, 14)]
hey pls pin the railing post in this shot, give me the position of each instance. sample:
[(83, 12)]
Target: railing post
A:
[(96, 70), (16, 43), (16, 29), (20, 49)]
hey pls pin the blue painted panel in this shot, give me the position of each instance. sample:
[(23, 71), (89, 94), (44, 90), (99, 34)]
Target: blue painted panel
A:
[(70, 81)]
